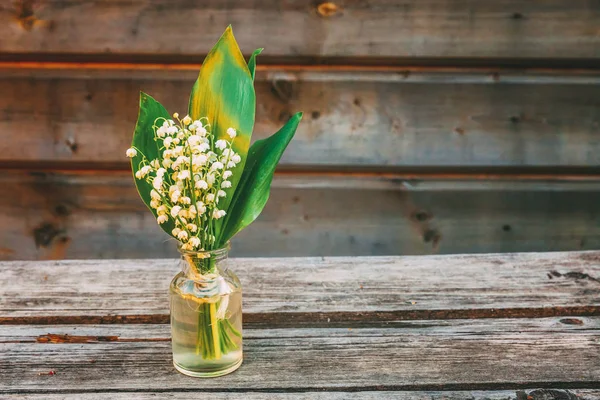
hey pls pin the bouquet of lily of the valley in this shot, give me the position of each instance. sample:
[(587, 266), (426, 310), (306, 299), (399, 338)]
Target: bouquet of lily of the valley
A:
[(204, 183)]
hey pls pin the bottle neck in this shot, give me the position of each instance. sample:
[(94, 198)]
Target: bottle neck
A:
[(204, 265)]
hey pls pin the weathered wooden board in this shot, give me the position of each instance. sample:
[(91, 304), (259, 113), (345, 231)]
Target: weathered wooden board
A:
[(530, 394), (366, 123), (100, 215), (382, 28), (426, 355), (384, 289)]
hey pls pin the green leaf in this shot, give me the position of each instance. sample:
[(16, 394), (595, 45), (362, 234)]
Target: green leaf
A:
[(255, 184), (143, 140), (224, 93), (252, 61)]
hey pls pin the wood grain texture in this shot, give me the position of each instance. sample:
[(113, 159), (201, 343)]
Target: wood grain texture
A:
[(100, 215), (382, 28), (71, 215), (402, 286), (365, 123), (529, 394), (422, 355)]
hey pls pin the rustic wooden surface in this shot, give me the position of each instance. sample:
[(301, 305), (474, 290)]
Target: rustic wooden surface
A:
[(510, 326), (303, 28), (100, 215)]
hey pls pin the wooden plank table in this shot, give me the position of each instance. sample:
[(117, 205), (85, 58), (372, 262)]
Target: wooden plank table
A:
[(496, 326)]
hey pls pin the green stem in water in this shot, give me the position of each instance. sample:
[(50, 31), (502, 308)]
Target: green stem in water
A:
[(213, 338), (208, 344), (215, 331), (231, 328), (201, 337)]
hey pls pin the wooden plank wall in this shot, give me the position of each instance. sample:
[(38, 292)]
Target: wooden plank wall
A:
[(431, 126)]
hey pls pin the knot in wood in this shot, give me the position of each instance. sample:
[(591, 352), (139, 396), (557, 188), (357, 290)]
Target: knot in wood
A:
[(327, 9), (45, 234), (25, 14), (571, 321)]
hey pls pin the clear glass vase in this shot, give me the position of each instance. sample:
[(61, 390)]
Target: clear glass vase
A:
[(206, 315)]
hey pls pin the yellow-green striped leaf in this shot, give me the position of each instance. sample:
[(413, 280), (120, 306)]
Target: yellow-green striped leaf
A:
[(224, 93)]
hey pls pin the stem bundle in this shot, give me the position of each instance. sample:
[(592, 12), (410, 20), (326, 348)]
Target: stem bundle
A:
[(213, 334)]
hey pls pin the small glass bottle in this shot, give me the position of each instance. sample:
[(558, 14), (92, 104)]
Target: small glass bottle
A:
[(206, 315)]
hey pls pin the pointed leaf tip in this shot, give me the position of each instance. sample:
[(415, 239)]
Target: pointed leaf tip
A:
[(252, 61), (228, 32)]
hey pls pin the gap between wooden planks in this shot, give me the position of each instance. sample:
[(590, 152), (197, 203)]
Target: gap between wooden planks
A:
[(310, 73), (339, 176)]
